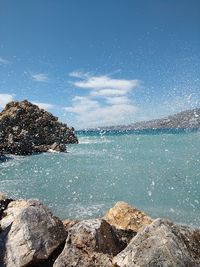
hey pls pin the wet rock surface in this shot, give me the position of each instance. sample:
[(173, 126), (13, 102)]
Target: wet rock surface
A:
[(25, 129), (31, 236)]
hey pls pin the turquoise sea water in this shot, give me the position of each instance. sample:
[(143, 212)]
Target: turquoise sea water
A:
[(158, 173)]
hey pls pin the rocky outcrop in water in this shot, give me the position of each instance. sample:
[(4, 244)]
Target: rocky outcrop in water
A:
[(31, 236), (25, 129)]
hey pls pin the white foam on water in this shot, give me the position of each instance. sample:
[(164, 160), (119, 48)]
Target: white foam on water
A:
[(12, 160), (80, 211), (89, 140), (53, 151)]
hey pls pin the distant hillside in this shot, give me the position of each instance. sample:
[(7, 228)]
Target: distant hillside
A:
[(188, 119)]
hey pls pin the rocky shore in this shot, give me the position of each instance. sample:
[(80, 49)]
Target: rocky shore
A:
[(27, 129), (30, 235)]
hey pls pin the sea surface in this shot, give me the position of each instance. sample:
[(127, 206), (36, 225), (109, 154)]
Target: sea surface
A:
[(157, 172)]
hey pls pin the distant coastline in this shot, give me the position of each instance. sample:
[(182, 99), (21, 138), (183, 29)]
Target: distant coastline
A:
[(149, 131), (185, 121)]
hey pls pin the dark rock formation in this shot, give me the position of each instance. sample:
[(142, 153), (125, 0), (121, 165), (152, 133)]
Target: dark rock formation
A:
[(4, 201), (25, 129)]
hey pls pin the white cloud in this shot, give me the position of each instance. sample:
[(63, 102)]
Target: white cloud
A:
[(45, 106), (109, 92), (110, 115), (3, 61), (40, 77), (82, 105), (118, 100), (105, 82), (91, 113), (79, 74), (4, 99), (107, 102)]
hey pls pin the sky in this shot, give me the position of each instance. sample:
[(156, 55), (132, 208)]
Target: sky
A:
[(101, 62)]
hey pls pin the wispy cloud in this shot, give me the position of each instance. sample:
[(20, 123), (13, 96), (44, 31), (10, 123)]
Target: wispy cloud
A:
[(107, 102), (105, 82), (82, 105), (117, 100), (40, 77), (108, 92), (4, 99), (45, 106), (3, 61), (79, 74)]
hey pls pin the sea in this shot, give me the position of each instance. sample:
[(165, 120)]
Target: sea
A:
[(155, 171)]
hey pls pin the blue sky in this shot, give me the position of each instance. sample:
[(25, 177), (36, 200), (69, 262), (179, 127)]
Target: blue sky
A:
[(101, 62)]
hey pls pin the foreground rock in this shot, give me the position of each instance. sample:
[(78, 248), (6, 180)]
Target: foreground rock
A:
[(126, 217), (69, 223), (162, 244), (90, 243), (29, 234), (25, 129)]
